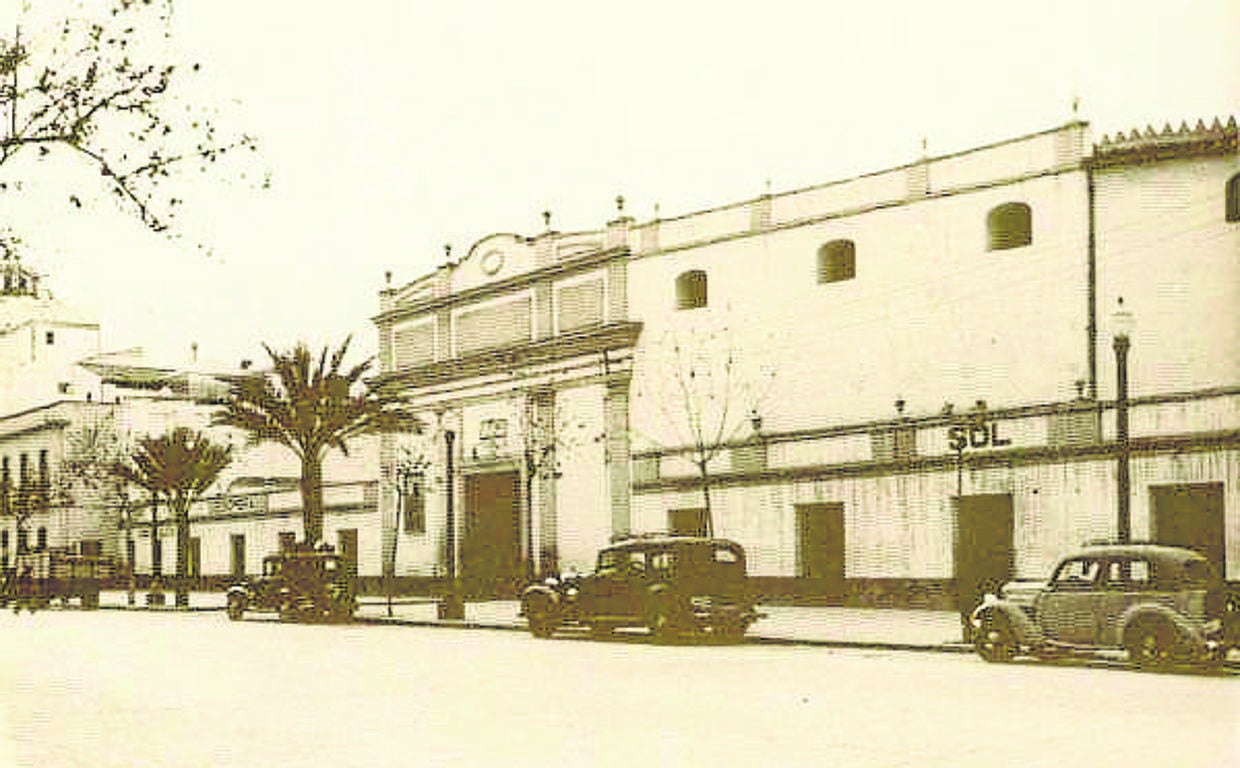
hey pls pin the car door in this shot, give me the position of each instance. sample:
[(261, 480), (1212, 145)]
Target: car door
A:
[(1125, 583), (631, 600), (601, 590), (1066, 610)]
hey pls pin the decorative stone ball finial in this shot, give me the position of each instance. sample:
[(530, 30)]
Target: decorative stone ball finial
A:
[(547, 219), (620, 204)]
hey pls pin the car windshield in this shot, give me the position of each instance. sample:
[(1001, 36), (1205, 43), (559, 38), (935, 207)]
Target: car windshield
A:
[(1076, 573)]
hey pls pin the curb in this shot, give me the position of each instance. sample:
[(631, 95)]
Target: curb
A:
[(161, 609), (877, 645)]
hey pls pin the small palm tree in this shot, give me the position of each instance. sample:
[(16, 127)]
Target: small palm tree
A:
[(311, 406), (180, 466)]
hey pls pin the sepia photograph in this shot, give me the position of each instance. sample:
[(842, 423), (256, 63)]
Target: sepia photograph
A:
[(633, 384)]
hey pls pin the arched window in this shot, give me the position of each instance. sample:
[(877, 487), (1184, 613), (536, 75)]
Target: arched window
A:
[(691, 289), (1233, 198), (837, 260), (1010, 226)]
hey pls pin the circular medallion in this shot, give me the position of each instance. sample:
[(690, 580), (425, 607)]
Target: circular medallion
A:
[(492, 262)]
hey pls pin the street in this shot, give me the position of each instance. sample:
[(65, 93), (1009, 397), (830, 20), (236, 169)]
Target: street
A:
[(112, 688)]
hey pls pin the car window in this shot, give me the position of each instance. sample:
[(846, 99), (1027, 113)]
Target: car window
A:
[(1077, 574), (608, 561), (637, 562), (723, 555), (662, 562), (1124, 575)]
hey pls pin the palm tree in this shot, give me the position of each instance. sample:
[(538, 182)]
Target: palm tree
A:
[(310, 407), (180, 466)]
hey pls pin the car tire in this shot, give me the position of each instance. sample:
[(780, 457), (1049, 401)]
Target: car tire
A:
[(236, 607), (542, 625), (995, 641), (1150, 645), (541, 617), (662, 625)]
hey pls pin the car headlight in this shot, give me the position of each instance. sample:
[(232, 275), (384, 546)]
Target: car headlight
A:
[(570, 592)]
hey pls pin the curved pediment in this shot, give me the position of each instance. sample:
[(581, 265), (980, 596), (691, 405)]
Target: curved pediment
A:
[(494, 258)]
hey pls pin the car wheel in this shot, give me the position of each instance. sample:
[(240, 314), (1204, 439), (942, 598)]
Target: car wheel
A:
[(542, 625), (236, 607), (1150, 645), (541, 617), (662, 625), (994, 641)]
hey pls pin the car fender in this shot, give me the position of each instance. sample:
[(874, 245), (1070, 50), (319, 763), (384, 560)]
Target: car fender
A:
[(1184, 632), (1027, 631), (237, 589), (540, 592)]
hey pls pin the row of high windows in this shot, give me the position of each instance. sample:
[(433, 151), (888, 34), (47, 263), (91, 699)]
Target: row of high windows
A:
[(26, 476), (1008, 226)]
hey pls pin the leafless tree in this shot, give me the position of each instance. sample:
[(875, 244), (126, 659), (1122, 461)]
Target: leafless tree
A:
[(708, 391), (545, 433)]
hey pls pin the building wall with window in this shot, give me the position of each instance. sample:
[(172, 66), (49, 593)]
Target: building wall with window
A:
[(905, 378)]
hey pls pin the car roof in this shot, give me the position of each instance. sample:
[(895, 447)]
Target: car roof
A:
[(1163, 552), (638, 542)]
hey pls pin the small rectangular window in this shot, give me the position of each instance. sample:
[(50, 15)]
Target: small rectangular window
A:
[(51, 337), (414, 509)]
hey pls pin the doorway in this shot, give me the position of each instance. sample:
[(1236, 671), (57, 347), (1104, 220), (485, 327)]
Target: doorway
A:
[(491, 546), (984, 550), (347, 539), (1190, 515), (820, 549), (238, 555)]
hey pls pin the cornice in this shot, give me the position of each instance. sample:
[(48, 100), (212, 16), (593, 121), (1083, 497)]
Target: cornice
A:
[(1138, 447), (566, 345), (959, 417)]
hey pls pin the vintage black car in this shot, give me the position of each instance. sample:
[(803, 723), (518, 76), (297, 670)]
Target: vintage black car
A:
[(675, 586), (1162, 604), (39, 579), (300, 584)]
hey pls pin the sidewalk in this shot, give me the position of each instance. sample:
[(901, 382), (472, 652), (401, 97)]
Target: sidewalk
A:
[(886, 628)]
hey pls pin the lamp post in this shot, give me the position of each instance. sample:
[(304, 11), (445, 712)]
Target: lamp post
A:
[(126, 522), (1121, 327), (452, 606), (401, 479)]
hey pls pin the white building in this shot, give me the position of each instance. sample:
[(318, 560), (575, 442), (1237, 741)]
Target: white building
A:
[(903, 382), (56, 389)]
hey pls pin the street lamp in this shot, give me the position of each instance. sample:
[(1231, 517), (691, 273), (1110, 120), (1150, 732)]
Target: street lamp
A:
[(1121, 327), (452, 606)]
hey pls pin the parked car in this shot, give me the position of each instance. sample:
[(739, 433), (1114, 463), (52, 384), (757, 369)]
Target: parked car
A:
[(301, 585), (1162, 604), (671, 585), (37, 579)]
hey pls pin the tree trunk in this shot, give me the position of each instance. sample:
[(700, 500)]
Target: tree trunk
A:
[(180, 511), (710, 521), (312, 499)]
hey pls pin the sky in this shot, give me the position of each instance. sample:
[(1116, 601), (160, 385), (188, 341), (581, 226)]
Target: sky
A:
[(391, 128)]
